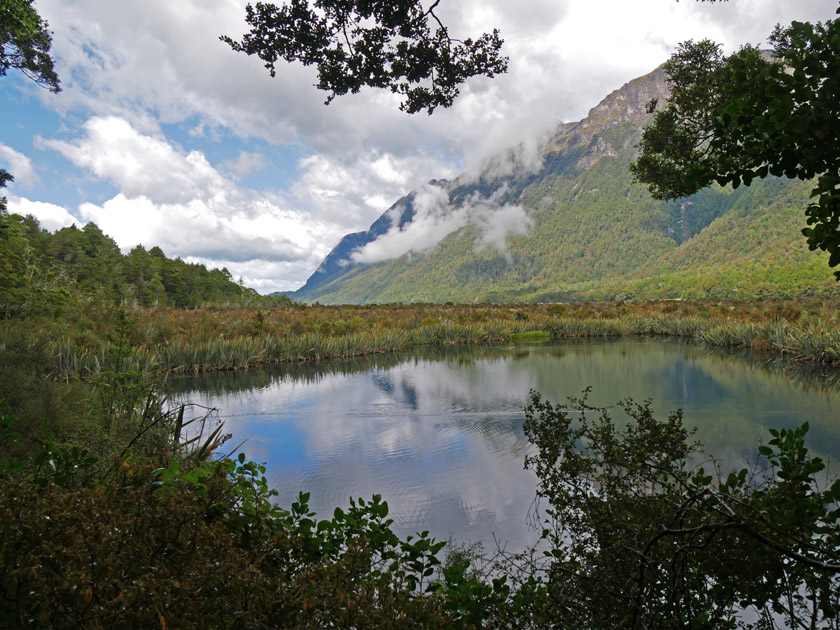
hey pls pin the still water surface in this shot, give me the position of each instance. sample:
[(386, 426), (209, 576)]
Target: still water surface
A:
[(439, 433)]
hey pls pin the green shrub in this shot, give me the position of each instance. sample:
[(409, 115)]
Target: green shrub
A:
[(202, 546), (36, 401)]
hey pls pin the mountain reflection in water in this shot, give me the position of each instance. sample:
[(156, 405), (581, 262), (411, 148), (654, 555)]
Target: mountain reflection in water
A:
[(438, 432)]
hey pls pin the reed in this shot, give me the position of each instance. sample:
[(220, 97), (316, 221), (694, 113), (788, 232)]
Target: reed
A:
[(206, 340)]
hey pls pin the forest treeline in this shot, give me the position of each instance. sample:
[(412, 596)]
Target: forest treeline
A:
[(44, 272)]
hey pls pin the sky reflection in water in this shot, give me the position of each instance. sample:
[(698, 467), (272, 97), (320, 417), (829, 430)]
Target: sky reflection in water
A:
[(439, 434)]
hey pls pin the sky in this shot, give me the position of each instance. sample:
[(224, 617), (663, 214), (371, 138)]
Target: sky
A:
[(164, 136)]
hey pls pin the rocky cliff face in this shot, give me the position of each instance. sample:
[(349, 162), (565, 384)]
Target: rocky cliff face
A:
[(627, 105)]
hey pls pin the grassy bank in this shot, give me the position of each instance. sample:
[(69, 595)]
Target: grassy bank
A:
[(212, 339)]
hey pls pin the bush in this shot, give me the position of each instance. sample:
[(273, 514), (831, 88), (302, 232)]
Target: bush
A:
[(642, 537), (196, 547), (37, 402)]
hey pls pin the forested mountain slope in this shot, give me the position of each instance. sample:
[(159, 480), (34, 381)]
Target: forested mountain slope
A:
[(584, 231)]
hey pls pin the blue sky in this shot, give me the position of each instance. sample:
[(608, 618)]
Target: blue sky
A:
[(164, 136)]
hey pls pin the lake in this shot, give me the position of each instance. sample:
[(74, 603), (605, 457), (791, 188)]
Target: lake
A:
[(438, 433)]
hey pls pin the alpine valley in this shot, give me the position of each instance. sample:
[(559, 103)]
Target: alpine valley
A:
[(566, 222)]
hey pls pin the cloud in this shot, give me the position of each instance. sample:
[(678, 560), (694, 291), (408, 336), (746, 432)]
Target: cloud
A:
[(164, 62), (752, 21), (246, 164), (173, 68), (195, 229), (50, 216), (19, 165), (140, 164), (524, 156), (257, 239), (178, 201), (498, 223), (352, 193), (434, 219)]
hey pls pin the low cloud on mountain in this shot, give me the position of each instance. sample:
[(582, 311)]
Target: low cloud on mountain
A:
[(435, 219)]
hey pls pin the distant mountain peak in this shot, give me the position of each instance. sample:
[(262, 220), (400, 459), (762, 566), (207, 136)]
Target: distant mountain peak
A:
[(627, 104), (566, 222)]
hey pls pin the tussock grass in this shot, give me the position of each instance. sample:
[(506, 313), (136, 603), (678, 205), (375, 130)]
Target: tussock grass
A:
[(213, 339)]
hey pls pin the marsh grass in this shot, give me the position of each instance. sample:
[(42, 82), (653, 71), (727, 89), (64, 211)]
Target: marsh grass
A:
[(214, 338)]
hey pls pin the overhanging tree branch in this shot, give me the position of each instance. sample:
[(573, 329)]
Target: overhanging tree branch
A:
[(390, 45), (25, 43), (731, 120)]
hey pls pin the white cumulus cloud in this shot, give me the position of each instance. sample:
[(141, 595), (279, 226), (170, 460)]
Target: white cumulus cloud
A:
[(178, 201), (141, 164), (352, 193), (19, 165), (50, 216)]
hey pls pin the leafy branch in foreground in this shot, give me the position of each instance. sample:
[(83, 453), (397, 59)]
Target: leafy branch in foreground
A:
[(394, 44), (734, 119), (25, 42), (640, 538), (203, 546)]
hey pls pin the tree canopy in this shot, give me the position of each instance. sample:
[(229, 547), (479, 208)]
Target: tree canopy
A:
[(5, 177), (43, 272), (393, 44), (25, 43), (734, 119)]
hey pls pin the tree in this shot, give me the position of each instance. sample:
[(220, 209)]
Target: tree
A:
[(642, 536), (25, 43), (14, 251), (5, 178), (733, 119), (394, 44)]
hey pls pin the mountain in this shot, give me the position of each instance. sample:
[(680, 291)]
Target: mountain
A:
[(566, 222)]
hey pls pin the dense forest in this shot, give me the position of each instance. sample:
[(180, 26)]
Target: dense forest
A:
[(43, 270)]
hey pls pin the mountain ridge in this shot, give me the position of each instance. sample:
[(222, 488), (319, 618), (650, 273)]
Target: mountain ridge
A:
[(585, 230)]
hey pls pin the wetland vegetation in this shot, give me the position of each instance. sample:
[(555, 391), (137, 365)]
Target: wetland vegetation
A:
[(96, 466), (119, 510)]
